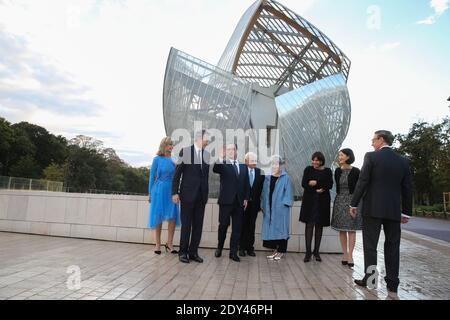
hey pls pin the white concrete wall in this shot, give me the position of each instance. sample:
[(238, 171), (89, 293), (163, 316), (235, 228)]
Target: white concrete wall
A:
[(118, 218)]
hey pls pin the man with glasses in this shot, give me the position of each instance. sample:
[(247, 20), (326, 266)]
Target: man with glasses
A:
[(385, 188)]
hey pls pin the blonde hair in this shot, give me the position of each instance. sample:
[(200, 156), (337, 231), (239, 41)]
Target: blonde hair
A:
[(167, 141)]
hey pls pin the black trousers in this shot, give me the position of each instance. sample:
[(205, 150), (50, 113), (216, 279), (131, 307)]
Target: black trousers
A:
[(371, 234), (230, 213), (247, 241), (279, 245), (192, 215)]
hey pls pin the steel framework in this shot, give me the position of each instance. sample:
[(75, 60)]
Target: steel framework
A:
[(276, 55)]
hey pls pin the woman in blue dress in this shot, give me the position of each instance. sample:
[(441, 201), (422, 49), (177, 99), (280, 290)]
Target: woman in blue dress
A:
[(162, 207)]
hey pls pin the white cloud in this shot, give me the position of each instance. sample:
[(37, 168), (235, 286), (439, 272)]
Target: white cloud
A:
[(439, 7), (383, 48)]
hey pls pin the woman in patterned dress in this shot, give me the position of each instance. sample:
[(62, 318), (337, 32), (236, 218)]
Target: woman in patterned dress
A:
[(162, 207), (346, 178)]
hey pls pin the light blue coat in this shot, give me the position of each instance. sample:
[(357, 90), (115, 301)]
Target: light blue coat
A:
[(276, 220)]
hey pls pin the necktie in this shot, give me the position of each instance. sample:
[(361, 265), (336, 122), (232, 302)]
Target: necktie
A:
[(236, 168), (252, 177)]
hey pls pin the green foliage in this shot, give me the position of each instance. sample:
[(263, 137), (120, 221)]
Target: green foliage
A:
[(26, 166), (55, 172), (434, 208), (428, 148), (30, 151)]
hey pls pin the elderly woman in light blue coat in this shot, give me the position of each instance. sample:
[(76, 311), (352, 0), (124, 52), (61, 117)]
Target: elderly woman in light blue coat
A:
[(276, 204)]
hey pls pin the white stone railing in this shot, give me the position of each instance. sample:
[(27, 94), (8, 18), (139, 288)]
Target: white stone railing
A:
[(118, 218)]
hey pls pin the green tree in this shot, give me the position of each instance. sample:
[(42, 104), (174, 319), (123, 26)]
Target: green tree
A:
[(6, 142), (55, 172), (49, 148), (427, 147), (26, 167)]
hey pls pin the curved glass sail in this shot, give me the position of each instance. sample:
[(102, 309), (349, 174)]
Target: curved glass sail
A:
[(278, 71), (313, 118)]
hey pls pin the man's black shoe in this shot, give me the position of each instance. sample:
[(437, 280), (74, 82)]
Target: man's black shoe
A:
[(196, 258), (242, 253), (184, 258), (361, 283), (218, 253), (234, 257), (251, 253)]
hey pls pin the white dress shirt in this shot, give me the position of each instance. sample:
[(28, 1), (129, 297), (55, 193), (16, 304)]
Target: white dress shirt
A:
[(197, 150), (233, 162)]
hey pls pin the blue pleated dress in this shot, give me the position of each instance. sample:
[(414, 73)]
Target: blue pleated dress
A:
[(162, 207)]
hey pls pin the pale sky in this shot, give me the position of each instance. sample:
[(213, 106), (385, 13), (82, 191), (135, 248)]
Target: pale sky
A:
[(97, 67)]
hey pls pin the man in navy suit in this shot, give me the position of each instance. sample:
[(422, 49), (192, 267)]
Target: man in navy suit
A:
[(190, 186), (385, 187), (233, 198), (256, 182)]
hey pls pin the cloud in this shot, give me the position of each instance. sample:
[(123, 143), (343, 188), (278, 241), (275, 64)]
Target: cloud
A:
[(389, 46), (383, 48), (29, 81), (439, 7)]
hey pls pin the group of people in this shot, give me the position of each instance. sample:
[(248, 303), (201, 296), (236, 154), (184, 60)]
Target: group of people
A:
[(380, 194)]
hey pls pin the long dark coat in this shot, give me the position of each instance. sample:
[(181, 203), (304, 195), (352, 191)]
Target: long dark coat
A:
[(324, 180)]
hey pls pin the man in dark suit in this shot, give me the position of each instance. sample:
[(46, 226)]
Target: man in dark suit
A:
[(256, 182), (192, 171), (385, 188), (233, 197)]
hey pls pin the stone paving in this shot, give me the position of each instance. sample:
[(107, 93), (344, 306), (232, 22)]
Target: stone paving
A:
[(38, 268)]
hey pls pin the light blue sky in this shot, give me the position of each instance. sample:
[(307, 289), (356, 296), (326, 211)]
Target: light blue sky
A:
[(97, 67)]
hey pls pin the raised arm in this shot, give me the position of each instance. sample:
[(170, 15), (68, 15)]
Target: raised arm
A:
[(218, 166)]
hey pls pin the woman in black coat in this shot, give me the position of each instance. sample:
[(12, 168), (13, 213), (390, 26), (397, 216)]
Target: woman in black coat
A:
[(315, 212)]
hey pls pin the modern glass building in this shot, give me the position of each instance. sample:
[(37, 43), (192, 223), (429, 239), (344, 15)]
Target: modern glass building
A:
[(278, 71)]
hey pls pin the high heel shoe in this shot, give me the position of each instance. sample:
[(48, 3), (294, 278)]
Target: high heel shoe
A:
[(351, 264), (157, 251), (307, 257), (344, 263), (317, 257), (172, 251)]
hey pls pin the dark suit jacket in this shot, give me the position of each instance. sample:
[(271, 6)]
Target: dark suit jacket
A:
[(256, 189), (232, 185), (193, 177), (385, 185)]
